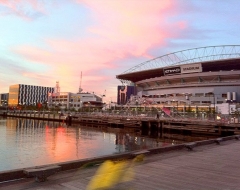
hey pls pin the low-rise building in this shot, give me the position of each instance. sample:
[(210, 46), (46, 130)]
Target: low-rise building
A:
[(76, 101), (3, 99)]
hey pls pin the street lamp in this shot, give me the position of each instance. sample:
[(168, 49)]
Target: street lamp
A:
[(229, 107), (89, 104), (214, 106), (81, 106), (136, 106), (177, 105), (174, 107), (6, 106)]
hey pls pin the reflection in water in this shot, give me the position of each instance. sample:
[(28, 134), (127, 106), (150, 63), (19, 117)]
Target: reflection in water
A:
[(26, 143)]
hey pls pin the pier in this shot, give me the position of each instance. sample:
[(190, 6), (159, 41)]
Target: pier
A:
[(149, 125), (165, 125)]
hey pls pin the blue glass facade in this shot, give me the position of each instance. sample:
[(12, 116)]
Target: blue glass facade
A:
[(124, 94)]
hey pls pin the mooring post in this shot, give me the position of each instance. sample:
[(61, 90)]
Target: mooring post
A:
[(149, 128), (219, 130), (159, 129)]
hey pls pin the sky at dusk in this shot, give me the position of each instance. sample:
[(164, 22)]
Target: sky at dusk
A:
[(44, 41)]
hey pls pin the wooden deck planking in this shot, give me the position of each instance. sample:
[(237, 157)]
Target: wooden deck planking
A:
[(207, 167)]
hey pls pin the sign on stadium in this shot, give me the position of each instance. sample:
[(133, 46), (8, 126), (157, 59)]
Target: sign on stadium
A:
[(190, 68), (193, 68), (172, 71)]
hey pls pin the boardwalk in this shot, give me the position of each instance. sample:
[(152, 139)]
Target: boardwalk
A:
[(161, 125), (206, 167)]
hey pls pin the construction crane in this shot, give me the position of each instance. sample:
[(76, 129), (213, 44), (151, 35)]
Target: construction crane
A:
[(104, 93)]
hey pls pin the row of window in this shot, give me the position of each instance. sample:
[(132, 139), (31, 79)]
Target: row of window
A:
[(65, 100), (71, 105), (183, 95), (184, 103), (53, 97)]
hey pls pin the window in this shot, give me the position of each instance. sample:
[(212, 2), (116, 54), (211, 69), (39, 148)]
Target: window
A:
[(180, 95), (210, 94), (224, 95), (195, 102), (199, 94), (182, 102), (206, 102)]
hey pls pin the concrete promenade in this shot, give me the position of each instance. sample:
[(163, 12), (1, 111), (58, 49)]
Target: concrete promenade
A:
[(212, 166)]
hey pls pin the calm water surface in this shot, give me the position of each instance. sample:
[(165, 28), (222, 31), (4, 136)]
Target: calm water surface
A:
[(27, 143)]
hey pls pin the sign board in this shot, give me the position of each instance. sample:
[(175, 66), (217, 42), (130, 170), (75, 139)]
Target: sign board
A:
[(232, 108), (225, 108), (192, 68), (172, 71), (189, 68), (222, 108)]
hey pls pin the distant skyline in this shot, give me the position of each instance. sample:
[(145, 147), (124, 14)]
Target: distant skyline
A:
[(44, 41)]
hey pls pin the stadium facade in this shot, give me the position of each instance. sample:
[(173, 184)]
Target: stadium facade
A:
[(200, 78)]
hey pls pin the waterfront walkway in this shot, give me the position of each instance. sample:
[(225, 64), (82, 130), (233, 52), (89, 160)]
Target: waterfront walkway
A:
[(210, 167)]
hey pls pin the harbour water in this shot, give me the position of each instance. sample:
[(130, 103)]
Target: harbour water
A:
[(26, 143)]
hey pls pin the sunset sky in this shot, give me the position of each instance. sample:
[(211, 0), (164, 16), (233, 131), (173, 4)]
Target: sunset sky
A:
[(44, 41)]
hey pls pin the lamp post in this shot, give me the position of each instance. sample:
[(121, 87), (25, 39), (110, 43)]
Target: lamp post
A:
[(144, 103), (70, 106), (6, 106), (174, 106), (136, 107), (89, 104), (177, 107), (214, 106), (24, 105), (229, 107), (81, 106)]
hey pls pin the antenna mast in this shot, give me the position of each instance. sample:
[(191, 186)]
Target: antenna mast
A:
[(80, 85), (57, 88)]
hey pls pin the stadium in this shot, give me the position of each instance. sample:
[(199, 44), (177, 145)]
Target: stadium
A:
[(195, 80)]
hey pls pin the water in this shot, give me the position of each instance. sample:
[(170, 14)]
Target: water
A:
[(27, 143)]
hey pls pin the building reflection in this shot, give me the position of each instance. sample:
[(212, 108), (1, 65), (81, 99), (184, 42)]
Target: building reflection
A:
[(37, 142)]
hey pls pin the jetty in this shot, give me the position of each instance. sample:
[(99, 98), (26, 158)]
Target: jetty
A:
[(184, 126)]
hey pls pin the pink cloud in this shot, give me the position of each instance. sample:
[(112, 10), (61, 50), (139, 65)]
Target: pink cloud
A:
[(122, 29), (131, 26), (26, 9)]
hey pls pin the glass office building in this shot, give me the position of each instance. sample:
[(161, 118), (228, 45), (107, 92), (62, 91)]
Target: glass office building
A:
[(21, 94), (4, 99)]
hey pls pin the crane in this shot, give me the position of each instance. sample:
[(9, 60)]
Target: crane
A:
[(104, 93)]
